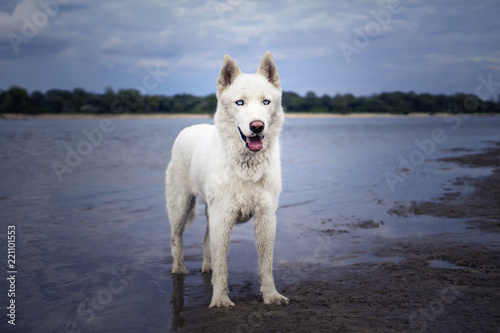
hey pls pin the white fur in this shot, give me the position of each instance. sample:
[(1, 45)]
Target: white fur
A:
[(234, 182)]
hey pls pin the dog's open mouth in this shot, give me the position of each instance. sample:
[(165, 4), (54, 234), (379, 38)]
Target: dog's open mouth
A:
[(253, 143)]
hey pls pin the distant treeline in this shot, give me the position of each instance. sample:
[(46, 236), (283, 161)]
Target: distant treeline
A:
[(18, 100)]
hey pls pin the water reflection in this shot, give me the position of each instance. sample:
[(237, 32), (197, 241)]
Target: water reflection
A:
[(177, 300)]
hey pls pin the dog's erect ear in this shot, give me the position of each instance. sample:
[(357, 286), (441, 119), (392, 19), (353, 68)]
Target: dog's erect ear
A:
[(269, 70), (228, 73)]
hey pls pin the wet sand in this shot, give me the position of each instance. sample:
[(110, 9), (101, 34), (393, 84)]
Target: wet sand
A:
[(441, 283)]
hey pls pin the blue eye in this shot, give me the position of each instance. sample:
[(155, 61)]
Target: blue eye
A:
[(240, 102), (266, 102)]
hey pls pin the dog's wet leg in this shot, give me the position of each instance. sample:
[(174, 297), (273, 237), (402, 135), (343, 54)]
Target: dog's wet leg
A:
[(265, 231), (206, 266), (177, 225), (220, 237)]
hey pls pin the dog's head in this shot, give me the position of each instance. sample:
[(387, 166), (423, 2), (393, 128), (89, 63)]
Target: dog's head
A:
[(249, 105)]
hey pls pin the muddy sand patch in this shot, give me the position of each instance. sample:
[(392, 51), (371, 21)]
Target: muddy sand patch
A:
[(386, 297)]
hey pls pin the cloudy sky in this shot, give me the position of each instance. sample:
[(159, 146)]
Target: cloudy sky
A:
[(168, 47)]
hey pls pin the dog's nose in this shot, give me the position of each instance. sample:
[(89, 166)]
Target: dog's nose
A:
[(257, 126)]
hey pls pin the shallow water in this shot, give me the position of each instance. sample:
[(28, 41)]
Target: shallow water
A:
[(93, 248)]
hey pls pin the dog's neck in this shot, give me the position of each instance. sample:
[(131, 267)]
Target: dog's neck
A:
[(251, 165)]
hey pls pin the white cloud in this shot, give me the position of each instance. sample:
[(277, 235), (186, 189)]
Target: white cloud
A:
[(153, 62), (25, 8), (111, 44)]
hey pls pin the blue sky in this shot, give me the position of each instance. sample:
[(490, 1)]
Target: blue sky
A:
[(358, 46)]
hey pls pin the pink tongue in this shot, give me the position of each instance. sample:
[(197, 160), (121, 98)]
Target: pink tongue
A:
[(254, 143)]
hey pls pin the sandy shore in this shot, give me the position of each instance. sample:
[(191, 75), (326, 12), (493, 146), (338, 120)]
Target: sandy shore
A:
[(208, 116), (442, 283)]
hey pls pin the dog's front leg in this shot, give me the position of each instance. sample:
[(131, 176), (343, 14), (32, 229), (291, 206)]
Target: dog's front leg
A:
[(220, 237), (265, 231)]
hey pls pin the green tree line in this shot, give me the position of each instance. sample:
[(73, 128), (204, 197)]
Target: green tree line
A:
[(18, 100)]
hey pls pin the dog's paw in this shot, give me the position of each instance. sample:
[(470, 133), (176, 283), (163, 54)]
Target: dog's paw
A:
[(221, 302), (206, 268), (179, 269), (276, 299)]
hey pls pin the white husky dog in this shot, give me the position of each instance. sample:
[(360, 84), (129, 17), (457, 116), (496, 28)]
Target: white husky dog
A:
[(235, 167)]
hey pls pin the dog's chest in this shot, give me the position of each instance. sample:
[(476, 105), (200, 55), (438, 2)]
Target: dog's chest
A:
[(246, 205), (246, 199)]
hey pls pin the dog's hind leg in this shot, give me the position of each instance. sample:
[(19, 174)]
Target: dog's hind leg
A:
[(206, 266), (181, 207)]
